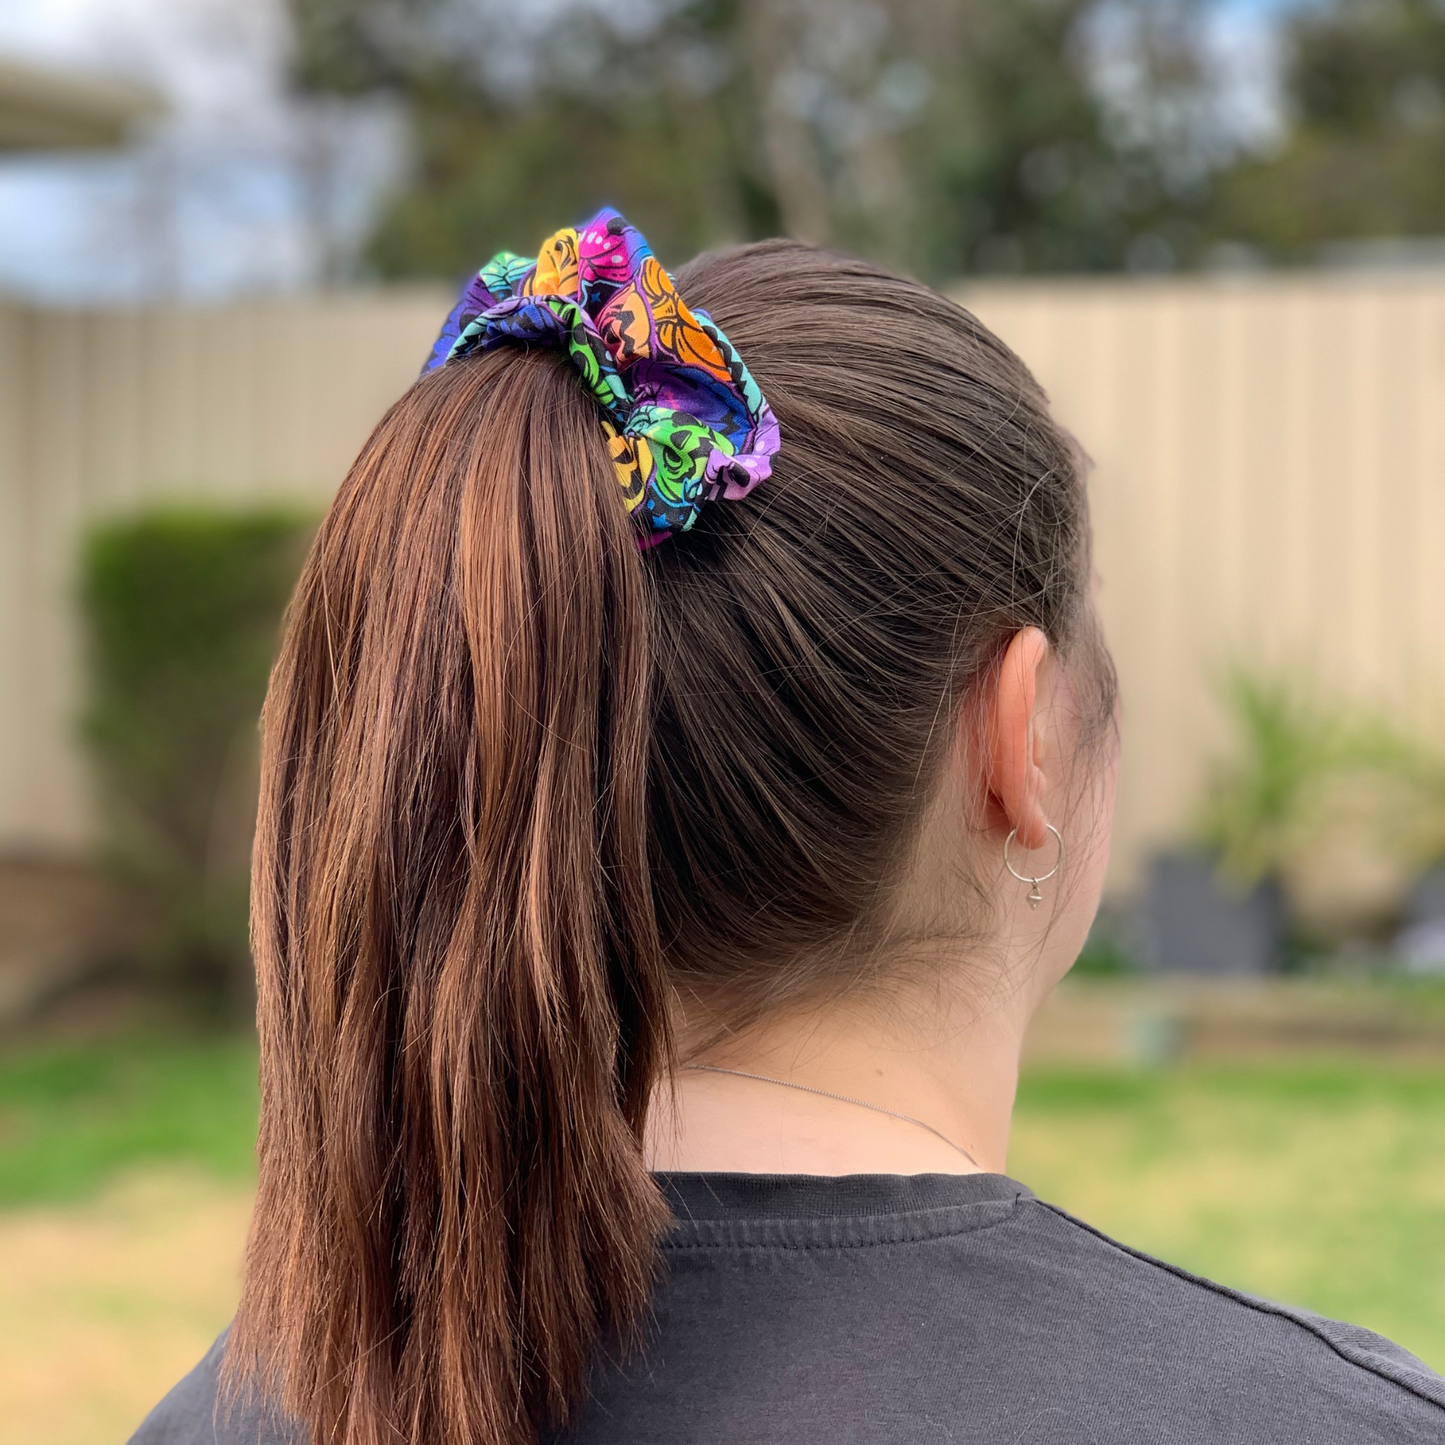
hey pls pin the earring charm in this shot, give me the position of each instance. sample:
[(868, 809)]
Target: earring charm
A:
[(1035, 897)]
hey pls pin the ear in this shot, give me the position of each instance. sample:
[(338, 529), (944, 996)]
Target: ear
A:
[(1014, 776)]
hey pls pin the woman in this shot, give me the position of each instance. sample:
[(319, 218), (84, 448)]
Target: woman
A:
[(646, 933)]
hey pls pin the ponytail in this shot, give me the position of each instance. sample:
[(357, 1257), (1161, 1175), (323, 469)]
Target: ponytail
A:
[(462, 1005)]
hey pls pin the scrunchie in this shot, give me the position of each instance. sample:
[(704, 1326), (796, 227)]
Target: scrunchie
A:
[(685, 421)]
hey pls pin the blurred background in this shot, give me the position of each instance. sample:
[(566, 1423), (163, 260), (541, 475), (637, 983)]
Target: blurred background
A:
[(1216, 231)]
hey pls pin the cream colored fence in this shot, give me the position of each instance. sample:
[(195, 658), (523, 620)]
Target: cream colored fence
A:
[(1270, 486)]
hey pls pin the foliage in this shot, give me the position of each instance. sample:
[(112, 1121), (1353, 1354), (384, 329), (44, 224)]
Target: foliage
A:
[(183, 610), (935, 136), (1257, 797), (942, 136), (493, 178), (1365, 151), (1015, 167), (1333, 800)]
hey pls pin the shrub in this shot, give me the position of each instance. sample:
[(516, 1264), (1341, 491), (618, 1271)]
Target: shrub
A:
[(182, 611), (1328, 798), (1285, 742)]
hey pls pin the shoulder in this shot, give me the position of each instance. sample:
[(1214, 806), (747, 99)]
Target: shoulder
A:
[(1265, 1343), (194, 1413)]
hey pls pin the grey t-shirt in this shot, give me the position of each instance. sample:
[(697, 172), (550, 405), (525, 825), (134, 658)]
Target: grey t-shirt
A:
[(801, 1310)]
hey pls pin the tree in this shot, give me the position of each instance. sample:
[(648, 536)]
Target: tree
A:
[(517, 126), (1365, 151), (937, 135)]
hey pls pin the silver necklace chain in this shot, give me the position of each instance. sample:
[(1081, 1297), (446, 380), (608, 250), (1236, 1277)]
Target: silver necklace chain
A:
[(841, 1098)]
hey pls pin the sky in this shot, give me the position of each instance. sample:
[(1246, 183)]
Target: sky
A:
[(242, 188), (239, 188)]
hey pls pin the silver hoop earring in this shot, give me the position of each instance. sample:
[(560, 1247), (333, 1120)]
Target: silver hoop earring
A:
[(1035, 897)]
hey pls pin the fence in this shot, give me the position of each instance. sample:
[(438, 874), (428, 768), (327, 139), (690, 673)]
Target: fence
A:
[(1270, 486)]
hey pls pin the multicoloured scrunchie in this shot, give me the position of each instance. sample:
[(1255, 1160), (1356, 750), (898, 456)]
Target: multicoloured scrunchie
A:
[(685, 421)]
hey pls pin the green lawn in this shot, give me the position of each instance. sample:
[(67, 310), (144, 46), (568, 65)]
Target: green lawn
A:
[(72, 1116), (1322, 1184)]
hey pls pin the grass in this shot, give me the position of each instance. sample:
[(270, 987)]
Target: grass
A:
[(1318, 1183), (73, 1116), (126, 1170)]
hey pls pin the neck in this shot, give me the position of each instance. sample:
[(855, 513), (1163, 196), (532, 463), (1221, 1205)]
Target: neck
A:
[(950, 1063)]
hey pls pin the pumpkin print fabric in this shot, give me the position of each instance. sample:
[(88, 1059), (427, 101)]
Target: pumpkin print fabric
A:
[(685, 422)]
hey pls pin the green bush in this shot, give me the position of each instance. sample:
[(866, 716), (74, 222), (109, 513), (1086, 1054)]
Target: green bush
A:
[(1329, 798), (1285, 742), (182, 611)]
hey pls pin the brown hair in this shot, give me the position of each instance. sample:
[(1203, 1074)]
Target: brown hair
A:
[(522, 781)]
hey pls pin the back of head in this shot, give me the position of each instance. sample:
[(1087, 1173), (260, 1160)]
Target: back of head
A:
[(524, 783), (814, 645)]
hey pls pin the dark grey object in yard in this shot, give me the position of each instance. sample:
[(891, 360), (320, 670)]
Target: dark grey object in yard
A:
[(1193, 922), (1420, 945), (1426, 901)]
